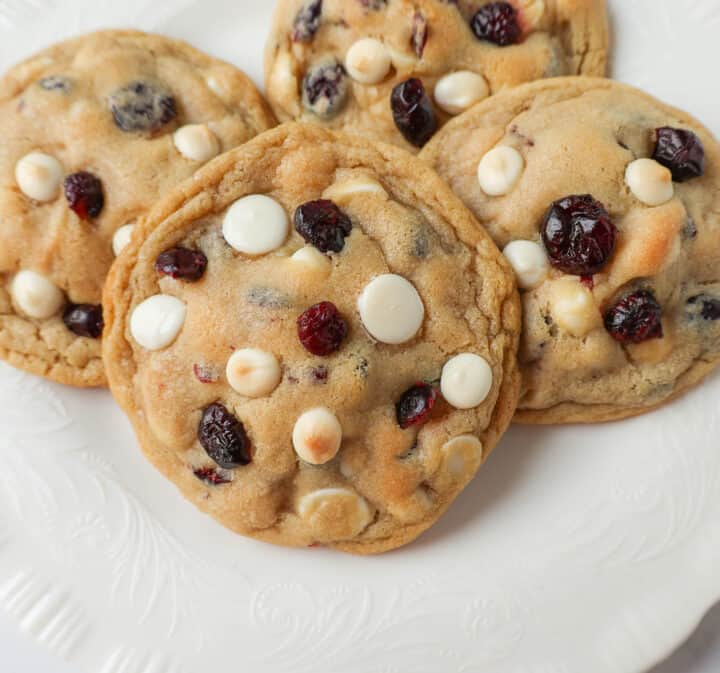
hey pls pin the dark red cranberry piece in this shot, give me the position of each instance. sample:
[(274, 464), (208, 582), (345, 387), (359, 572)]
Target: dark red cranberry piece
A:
[(325, 88), (497, 23), (141, 106), (307, 21), (419, 34), (708, 308), (223, 437), (319, 374), (579, 235), (182, 263), (84, 194), (413, 112), (681, 151), (205, 373), (635, 318), (321, 329), (415, 405), (85, 320), (322, 224), (211, 476)]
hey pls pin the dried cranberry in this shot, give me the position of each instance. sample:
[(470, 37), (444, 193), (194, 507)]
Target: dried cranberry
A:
[(319, 374), (84, 194), (413, 112), (85, 320), (419, 34), (307, 21), (223, 437), (211, 476), (579, 235), (321, 329), (205, 373), (681, 151), (182, 263), (415, 405), (708, 308), (635, 318), (322, 224), (141, 106), (325, 88), (497, 23)]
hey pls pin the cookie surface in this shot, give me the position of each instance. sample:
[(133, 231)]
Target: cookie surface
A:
[(96, 130), (607, 203), (339, 358), (396, 70)]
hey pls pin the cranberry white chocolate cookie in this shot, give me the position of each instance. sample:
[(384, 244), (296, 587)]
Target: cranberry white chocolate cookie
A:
[(607, 204), (315, 341), (397, 70), (95, 131)]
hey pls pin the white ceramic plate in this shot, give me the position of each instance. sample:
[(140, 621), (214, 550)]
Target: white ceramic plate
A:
[(592, 550)]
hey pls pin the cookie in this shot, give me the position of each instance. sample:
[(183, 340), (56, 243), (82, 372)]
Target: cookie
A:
[(315, 341), (607, 204), (95, 131), (397, 70)]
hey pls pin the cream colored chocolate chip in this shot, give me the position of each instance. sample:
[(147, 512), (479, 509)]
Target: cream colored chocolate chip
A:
[(255, 225), (335, 513), (462, 455), (156, 322), (340, 191), (317, 436), (311, 258), (368, 61), (35, 295), (529, 261), (253, 372), (650, 182), (121, 238), (466, 381), (391, 309), (196, 142), (459, 91), (573, 307), (499, 170), (39, 176)]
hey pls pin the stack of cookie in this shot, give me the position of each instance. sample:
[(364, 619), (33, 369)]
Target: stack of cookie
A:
[(314, 332)]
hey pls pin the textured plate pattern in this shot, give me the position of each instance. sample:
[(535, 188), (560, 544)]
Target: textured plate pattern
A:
[(611, 534)]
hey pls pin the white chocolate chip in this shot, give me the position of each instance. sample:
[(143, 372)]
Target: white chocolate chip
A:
[(368, 61), (529, 261), (339, 191), (253, 372), (391, 309), (35, 295), (256, 225), (462, 455), (459, 91), (311, 258), (156, 322), (650, 182), (317, 436), (39, 176), (466, 381), (121, 238), (196, 142), (338, 511), (573, 307), (499, 170)]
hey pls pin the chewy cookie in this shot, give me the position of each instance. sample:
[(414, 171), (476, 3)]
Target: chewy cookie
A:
[(315, 341), (607, 204), (95, 131), (396, 70)]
